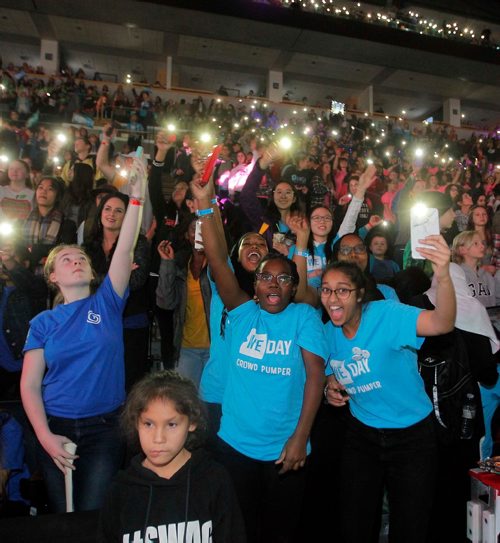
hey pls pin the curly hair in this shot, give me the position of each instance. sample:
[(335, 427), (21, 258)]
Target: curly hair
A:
[(165, 385)]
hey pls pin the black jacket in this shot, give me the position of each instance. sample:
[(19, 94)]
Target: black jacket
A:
[(199, 496)]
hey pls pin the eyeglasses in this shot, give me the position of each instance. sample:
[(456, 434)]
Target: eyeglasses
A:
[(357, 250), (282, 278), (341, 293), (319, 218)]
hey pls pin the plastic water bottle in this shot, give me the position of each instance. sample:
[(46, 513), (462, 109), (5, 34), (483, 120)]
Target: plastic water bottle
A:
[(468, 417)]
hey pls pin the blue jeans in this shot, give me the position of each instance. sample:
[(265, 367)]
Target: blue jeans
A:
[(404, 461), (100, 450), (191, 363)]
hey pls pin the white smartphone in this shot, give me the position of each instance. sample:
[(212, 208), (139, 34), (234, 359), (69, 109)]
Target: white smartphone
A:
[(198, 240), (424, 222)]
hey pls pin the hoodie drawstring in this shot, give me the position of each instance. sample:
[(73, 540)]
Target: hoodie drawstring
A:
[(148, 509), (188, 489)]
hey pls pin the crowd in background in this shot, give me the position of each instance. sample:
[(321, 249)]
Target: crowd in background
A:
[(69, 184), (399, 19)]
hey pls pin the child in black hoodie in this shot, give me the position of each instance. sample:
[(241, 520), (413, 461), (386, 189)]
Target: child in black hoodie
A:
[(173, 491)]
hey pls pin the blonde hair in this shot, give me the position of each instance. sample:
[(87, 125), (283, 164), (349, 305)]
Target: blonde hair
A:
[(464, 239), (50, 265)]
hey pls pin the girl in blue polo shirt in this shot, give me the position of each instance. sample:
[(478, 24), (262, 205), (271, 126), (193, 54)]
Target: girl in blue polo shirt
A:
[(372, 366), (275, 358), (72, 383)]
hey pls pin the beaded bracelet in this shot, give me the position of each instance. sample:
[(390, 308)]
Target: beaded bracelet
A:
[(204, 212)]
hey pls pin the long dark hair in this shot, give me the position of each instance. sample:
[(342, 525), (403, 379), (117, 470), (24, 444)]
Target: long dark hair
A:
[(58, 185), (94, 244), (272, 213), (245, 278), (372, 293), (329, 239)]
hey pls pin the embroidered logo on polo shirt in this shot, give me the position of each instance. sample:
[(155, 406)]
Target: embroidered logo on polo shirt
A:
[(93, 318)]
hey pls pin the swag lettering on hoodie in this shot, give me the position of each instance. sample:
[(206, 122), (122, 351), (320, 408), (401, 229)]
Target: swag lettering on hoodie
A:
[(180, 532)]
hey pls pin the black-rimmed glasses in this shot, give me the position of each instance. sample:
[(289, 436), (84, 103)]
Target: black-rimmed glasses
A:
[(282, 278), (342, 293)]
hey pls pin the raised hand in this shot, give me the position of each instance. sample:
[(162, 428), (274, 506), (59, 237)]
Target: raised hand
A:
[(198, 161), (367, 178), (108, 131), (298, 224), (162, 141), (374, 220), (345, 199), (138, 178), (165, 250), (203, 193), (272, 153), (438, 253)]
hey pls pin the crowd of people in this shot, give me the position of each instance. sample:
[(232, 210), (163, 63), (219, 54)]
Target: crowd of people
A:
[(406, 20), (275, 282)]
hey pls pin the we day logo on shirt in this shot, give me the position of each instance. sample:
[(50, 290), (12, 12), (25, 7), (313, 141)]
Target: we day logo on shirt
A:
[(257, 345), (344, 373)]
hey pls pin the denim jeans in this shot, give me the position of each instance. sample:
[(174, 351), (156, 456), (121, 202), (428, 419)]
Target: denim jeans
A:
[(100, 451), (191, 363), (271, 503), (404, 461)]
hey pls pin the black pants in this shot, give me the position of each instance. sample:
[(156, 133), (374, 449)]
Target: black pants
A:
[(404, 461), (135, 342), (270, 503)]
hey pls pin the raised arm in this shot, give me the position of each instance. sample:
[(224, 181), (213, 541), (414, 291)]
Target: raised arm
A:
[(154, 183), (305, 293), (102, 157), (215, 246), (121, 263), (441, 319), (366, 179), (249, 202)]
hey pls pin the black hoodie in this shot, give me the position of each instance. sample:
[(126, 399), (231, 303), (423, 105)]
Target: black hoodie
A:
[(141, 506)]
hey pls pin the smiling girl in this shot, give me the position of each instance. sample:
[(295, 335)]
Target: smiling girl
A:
[(372, 367), (274, 383)]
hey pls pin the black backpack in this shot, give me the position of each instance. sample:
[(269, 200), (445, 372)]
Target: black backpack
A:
[(445, 369)]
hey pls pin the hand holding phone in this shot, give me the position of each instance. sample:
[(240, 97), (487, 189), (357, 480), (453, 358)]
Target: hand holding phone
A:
[(137, 167), (424, 222), (110, 128)]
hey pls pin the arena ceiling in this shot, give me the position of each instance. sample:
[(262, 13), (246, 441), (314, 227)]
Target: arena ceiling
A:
[(237, 47)]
